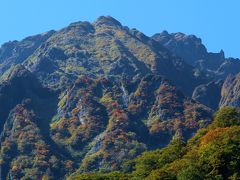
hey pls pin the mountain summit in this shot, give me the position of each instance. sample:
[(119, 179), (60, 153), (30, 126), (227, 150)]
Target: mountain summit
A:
[(107, 21)]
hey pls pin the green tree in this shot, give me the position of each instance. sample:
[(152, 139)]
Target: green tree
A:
[(227, 116), (190, 173)]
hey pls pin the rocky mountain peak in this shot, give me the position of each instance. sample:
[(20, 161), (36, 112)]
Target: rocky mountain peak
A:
[(107, 21)]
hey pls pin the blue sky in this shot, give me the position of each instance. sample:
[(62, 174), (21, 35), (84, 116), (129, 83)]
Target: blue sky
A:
[(215, 21)]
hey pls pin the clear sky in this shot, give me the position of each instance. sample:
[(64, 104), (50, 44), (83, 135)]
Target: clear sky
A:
[(217, 22)]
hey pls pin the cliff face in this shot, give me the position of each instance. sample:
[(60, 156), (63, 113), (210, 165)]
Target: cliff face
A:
[(230, 91)]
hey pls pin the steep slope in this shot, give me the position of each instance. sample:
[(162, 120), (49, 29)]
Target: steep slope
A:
[(15, 52), (93, 123), (105, 47), (107, 121), (24, 151), (17, 85), (26, 111)]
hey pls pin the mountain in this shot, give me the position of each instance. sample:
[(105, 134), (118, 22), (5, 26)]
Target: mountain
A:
[(104, 48), (92, 96), (191, 49)]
